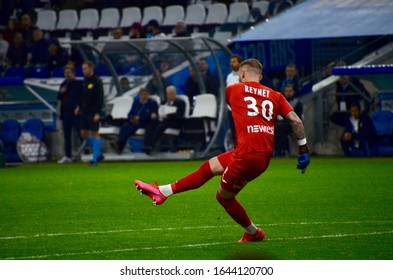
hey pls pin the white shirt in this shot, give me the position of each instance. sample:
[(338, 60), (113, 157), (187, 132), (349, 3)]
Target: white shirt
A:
[(355, 123), (232, 78)]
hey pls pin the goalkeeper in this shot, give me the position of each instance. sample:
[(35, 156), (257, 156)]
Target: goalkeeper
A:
[(255, 109)]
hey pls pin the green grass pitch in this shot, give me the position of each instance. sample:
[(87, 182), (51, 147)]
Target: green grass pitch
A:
[(340, 209)]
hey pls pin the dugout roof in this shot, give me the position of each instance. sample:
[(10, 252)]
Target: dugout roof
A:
[(326, 19)]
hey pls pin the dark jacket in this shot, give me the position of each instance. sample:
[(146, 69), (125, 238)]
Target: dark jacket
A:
[(353, 97), (58, 60), (17, 56), (93, 95), (143, 110), (366, 132), (71, 98), (175, 119), (39, 52)]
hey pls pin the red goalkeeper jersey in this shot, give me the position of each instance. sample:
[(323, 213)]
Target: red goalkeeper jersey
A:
[(255, 109)]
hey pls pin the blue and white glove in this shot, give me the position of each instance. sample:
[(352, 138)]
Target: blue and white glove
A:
[(303, 158)]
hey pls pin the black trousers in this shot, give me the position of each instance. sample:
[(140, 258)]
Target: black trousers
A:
[(281, 132), (69, 123), (154, 131)]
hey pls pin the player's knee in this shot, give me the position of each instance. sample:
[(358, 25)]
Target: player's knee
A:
[(224, 201)]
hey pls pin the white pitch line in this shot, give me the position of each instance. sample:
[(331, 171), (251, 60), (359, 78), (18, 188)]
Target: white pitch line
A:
[(182, 228), (339, 235)]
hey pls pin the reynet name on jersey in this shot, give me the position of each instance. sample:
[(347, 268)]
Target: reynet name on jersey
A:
[(257, 91)]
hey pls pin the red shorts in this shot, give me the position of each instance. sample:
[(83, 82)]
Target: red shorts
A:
[(241, 169)]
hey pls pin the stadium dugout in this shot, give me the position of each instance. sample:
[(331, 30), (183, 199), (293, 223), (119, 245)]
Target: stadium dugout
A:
[(138, 61)]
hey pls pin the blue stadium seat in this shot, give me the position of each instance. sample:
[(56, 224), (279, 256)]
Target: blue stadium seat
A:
[(35, 127), (58, 72), (383, 122), (39, 72), (9, 134), (15, 71)]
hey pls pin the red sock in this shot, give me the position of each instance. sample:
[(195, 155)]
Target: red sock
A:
[(194, 180), (235, 210)]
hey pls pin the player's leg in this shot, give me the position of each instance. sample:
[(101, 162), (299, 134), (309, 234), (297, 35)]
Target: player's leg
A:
[(96, 141), (67, 130), (126, 130), (208, 169), (233, 180)]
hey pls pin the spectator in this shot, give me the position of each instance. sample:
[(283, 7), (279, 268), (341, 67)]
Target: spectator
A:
[(211, 82), (39, 54), (171, 115), (153, 29), (143, 111), (256, 15), (3, 50), (359, 134), (277, 6), (181, 29), (136, 31), (117, 33), (233, 78), (282, 128), (291, 77), (10, 30), (75, 56), (58, 56), (27, 29), (17, 52), (192, 86), (90, 106), (348, 84), (69, 96), (153, 87), (267, 82), (124, 85), (347, 93), (234, 63)]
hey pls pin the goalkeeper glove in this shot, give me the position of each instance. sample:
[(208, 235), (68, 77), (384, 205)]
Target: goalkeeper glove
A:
[(303, 158)]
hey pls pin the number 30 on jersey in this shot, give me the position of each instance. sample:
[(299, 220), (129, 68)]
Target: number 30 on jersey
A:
[(253, 110)]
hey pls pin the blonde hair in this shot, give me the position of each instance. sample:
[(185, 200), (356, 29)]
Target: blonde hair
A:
[(252, 63)]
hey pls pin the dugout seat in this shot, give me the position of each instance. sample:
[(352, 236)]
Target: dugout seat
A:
[(68, 20), (261, 5), (9, 135), (217, 14), (110, 18), (238, 12), (35, 127), (152, 12), (383, 122), (174, 132), (200, 125), (15, 71), (195, 16), (120, 108), (46, 20), (129, 16), (39, 72), (88, 20), (173, 14)]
